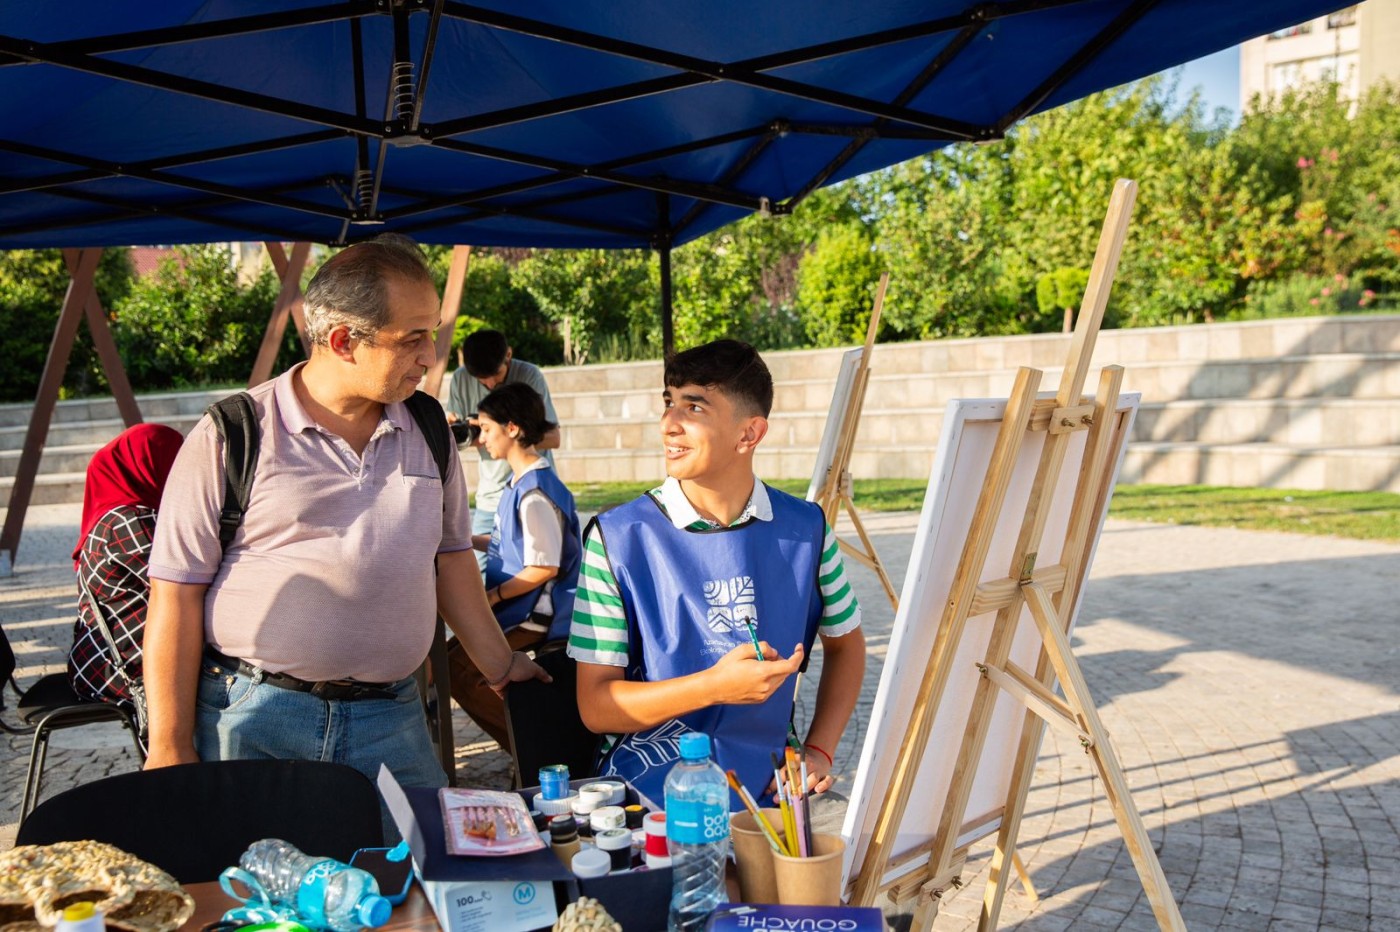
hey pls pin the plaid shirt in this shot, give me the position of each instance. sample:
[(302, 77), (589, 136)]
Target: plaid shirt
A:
[(112, 564)]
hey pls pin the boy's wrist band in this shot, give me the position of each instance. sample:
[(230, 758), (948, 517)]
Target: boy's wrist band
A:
[(829, 761)]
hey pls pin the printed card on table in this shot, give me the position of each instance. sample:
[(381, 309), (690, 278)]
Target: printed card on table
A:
[(487, 823)]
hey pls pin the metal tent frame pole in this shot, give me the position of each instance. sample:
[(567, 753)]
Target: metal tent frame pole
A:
[(80, 291)]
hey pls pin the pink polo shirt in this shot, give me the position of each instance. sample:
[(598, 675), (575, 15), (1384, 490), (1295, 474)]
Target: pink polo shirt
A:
[(331, 574)]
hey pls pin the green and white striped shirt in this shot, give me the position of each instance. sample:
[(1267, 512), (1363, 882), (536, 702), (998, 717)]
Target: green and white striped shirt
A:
[(599, 630)]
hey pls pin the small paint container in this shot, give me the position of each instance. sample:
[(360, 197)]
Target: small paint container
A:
[(554, 781), (634, 815), (606, 817), (596, 793), (591, 862), (617, 842), (553, 807), (614, 792), (658, 854)]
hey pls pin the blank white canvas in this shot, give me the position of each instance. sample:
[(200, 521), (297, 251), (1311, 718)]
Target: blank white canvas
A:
[(960, 469), (835, 418)]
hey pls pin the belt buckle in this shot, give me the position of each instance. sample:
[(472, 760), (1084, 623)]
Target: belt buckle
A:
[(327, 690)]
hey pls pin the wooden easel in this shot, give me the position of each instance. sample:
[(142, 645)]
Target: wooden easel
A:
[(836, 491), (1051, 593)]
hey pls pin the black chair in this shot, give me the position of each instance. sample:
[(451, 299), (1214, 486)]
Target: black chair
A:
[(543, 722), (194, 820), (47, 706), (434, 682)]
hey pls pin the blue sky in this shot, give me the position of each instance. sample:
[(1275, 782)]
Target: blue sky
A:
[(1218, 77)]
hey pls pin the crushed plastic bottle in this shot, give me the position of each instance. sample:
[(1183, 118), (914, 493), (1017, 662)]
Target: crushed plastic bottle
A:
[(325, 893)]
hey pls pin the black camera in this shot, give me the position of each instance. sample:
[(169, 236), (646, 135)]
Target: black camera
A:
[(463, 432)]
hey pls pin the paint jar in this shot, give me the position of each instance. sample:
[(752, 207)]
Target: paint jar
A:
[(612, 792), (563, 838), (606, 817), (591, 862), (554, 781), (658, 853), (617, 842), (554, 807)]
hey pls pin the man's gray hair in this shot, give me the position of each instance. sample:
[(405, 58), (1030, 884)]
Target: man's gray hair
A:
[(351, 288)]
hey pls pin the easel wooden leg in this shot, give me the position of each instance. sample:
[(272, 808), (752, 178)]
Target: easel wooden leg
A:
[(1130, 823), (1022, 771), (107, 350), (1025, 876), (289, 301), (872, 561)]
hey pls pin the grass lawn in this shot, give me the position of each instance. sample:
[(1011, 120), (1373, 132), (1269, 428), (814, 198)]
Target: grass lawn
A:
[(1361, 515)]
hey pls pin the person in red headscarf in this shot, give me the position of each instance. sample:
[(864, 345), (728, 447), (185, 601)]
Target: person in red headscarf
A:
[(125, 480)]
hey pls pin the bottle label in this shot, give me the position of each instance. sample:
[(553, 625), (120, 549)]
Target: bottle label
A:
[(696, 821), (311, 895)]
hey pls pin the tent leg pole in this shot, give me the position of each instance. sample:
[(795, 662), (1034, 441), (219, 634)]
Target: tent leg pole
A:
[(447, 322), (668, 322), (107, 351), (288, 305), (79, 290)]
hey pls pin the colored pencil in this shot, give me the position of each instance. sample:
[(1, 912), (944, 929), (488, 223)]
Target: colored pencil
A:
[(752, 807), (799, 800), (789, 823)]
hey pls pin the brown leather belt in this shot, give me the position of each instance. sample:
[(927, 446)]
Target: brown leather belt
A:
[(329, 690)]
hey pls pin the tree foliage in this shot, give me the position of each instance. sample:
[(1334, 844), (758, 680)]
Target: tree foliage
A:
[(1294, 210), (492, 299), (193, 323), (33, 283)]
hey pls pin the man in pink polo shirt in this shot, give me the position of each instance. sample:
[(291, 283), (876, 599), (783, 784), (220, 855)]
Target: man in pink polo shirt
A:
[(301, 639)]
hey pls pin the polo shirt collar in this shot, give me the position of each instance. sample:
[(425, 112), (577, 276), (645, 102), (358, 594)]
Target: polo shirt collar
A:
[(295, 419), (683, 515)]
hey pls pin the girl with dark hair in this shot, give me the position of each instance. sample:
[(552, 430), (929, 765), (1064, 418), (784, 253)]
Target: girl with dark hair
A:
[(532, 555)]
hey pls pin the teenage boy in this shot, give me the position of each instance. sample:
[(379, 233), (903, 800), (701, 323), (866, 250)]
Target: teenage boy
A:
[(678, 585), (488, 361)]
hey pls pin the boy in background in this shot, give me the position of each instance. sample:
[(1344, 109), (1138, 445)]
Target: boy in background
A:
[(488, 362)]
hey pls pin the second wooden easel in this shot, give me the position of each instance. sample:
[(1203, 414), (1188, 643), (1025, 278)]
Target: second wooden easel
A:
[(1050, 594), (835, 492)]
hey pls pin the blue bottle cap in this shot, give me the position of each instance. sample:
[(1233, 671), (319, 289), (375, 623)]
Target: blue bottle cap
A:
[(373, 911), (695, 745)]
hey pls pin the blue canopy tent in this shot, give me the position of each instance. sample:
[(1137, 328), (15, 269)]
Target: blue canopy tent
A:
[(560, 123)]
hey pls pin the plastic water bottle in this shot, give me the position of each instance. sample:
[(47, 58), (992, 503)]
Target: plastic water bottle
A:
[(697, 825), (325, 893)]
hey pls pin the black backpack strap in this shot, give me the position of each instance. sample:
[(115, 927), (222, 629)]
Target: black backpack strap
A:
[(236, 420), (428, 413)]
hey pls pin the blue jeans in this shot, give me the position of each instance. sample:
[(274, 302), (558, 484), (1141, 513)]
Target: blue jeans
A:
[(237, 719)]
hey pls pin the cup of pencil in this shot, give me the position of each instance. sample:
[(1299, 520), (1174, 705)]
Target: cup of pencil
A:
[(814, 879), (803, 867)]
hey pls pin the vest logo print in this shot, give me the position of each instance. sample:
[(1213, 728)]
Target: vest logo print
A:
[(731, 603)]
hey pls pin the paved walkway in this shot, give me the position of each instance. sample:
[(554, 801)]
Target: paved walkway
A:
[(1251, 682)]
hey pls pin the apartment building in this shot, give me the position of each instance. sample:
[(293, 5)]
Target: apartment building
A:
[(1356, 46)]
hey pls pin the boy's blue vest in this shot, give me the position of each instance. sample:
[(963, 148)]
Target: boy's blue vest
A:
[(687, 596), (505, 557)]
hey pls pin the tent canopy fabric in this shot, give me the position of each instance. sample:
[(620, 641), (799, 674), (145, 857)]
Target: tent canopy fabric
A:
[(563, 123)]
